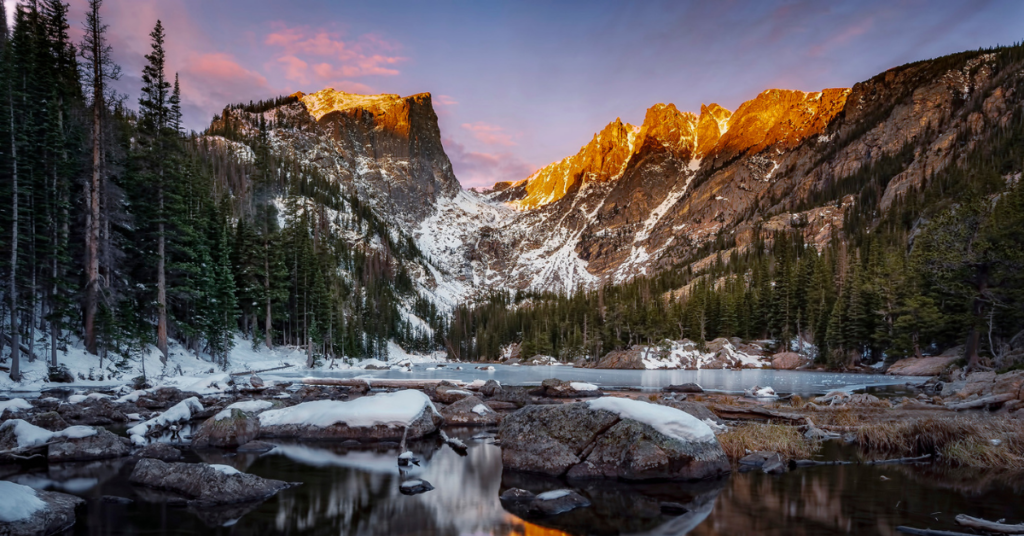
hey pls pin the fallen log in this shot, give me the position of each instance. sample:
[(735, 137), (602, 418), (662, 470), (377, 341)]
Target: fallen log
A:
[(984, 401), (380, 383), (929, 532), (894, 461), (259, 371), (754, 412), (989, 526)]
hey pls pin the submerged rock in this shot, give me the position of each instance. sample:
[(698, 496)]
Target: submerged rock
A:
[(207, 484), (414, 487), (227, 429), (548, 503), (28, 512), (256, 446), (160, 451), (611, 438)]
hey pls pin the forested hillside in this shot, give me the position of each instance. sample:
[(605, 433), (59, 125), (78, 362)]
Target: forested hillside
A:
[(938, 265), (122, 231)]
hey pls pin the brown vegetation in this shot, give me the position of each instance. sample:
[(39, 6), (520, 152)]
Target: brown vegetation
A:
[(786, 440), (958, 441)]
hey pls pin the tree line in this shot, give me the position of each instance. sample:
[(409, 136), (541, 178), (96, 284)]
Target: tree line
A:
[(121, 231)]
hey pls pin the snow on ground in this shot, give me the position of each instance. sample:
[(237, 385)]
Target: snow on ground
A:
[(184, 369), (30, 435), (400, 408), (14, 405), (670, 421), (247, 406), (19, 503), (684, 354), (182, 411)]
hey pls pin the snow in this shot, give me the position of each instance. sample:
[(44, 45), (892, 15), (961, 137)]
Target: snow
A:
[(248, 406), (400, 408), (554, 494), (78, 399), (481, 410), (672, 422), (410, 484), (407, 455), (225, 469), (14, 405), (30, 435), (182, 411), (19, 503), (581, 386)]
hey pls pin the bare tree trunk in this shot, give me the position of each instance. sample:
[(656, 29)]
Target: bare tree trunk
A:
[(13, 291), (161, 285), (268, 340), (92, 219)]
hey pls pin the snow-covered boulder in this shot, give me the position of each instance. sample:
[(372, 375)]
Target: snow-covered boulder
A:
[(470, 411), (99, 445), (74, 443), (448, 393), (205, 484), (382, 417), (611, 438), (555, 388), (180, 412), (27, 512)]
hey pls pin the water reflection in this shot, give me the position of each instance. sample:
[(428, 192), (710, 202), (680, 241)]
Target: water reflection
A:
[(355, 491)]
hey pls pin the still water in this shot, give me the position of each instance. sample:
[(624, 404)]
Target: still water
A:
[(729, 381), (356, 492)]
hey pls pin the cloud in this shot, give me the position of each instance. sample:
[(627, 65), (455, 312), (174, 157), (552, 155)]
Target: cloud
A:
[(475, 169), (332, 58), (489, 134), (445, 100), (844, 35)]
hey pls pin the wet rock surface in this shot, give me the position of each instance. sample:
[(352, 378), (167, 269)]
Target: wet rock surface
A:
[(556, 388), (236, 429), (57, 516), (470, 411), (204, 484), (160, 451), (103, 445)]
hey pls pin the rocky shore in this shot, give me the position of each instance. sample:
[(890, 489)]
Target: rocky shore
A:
[(571, 431)]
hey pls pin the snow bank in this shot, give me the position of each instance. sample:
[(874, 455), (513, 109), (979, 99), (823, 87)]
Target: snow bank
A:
[(78, 399), (400, 408), (19, 502), (182, 411), (30, 435), (672, 422), (14, 405), (248, 406)]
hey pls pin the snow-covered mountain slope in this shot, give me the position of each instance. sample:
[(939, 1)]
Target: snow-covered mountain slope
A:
[(637, 200)]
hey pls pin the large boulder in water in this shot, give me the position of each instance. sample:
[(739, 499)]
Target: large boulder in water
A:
[(555, 388), (470, 412), (99, 446), (227, 429), (203, 483), (384, 417), (27, 512), (611, 438)]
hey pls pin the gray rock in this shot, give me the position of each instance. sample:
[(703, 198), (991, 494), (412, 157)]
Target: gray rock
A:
[(427, 423), (101, 446), (160, 451), (774, 465), (50, 420), (697, 410), (462, 413), (555, 388), (562, 501), (516, 495), (448, 393), (238, 429), (576, 441), (490, 388), (684, 388), (56, 517), (256, 446), (204, 484), (414, 487)]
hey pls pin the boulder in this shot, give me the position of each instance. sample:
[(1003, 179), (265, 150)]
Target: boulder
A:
[(548, 503), (160, 451), (921, 366), (414, 487), (788, 361), (1011, 382), (227, 429), (555, 388), (630, 359), (405, 414), (100, 446), (581, 441), (700, 411), (490, 388), (51, 512), (470, 411), (204, 484), (684, 388), (448, 393), (51, 420)]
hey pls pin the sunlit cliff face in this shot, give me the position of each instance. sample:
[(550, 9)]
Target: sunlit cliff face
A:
[(775, 118)]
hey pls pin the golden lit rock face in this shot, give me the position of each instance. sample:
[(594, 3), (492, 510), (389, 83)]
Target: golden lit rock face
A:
[(779, 116), (600, 160), (328, 100), (775, 117)]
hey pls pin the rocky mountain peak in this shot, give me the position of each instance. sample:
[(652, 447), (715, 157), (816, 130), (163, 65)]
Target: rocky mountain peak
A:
[(328, 100), (779, 117), (666, 128), (713, 123)]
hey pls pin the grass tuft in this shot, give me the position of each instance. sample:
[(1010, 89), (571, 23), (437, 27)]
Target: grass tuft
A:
[(785, 440), (959, 441)]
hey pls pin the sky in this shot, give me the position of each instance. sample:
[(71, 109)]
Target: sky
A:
[(518, 85)]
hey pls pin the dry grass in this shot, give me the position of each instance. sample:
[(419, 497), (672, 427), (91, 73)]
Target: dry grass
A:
[(785, 440), (957, 441)]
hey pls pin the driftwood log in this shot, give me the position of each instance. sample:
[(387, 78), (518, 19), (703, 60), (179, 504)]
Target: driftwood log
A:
[(989, 526), (928, 532), (753, 412), (983, 402), (243, 373)]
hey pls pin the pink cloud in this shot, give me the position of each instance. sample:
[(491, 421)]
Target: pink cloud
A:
[(445, 100), (489, 134), (855, 29), (368, 55), (482, 170)]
